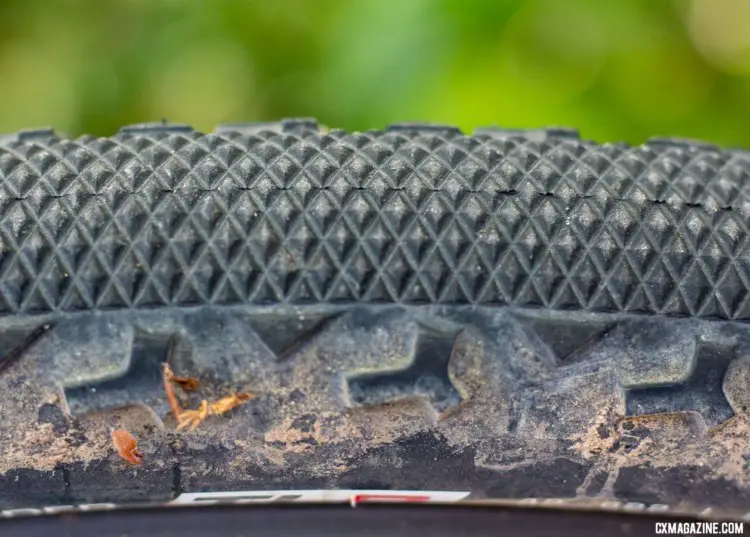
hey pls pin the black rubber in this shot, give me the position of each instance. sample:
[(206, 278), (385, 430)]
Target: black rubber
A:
[(380, 521), (513, 314)]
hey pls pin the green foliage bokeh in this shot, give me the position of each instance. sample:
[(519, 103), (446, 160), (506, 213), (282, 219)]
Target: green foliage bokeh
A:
[(620, 70)]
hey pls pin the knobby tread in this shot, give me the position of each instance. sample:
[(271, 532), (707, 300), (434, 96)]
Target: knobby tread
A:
[(165, 216), (517, 314)]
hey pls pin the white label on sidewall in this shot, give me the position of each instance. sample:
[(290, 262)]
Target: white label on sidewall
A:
[(352, 496)]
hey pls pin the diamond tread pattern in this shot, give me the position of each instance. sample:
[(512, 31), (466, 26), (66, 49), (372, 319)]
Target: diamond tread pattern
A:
[(166, 217)]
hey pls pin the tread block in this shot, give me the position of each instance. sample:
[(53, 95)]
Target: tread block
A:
[(141, 383), (300, 125), (155, 128), (531, 134), (423, 128), (680, 143), (27, 135), (288, 126), (426, 376), (36, 134), (702, 391)]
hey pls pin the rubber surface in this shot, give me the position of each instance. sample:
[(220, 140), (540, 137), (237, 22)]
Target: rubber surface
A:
[(514, 314), (335, 522)]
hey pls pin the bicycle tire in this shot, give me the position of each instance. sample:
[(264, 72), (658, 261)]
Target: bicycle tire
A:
[(513, 315)]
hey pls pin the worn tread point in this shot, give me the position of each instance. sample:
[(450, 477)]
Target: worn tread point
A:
[(426, 376), (284, 335), (701, 392), (17, 350), (569, 339)]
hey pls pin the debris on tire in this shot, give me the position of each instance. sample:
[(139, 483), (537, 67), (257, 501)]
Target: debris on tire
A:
[(193, 418), (127, 446)]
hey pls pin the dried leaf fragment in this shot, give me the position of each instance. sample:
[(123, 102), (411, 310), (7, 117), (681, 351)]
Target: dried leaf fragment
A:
[(226, 404), (193, 418), (127, 446), (167, 377), (188, 384)]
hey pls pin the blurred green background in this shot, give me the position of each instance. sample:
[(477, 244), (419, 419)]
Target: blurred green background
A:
[(617, 70)]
